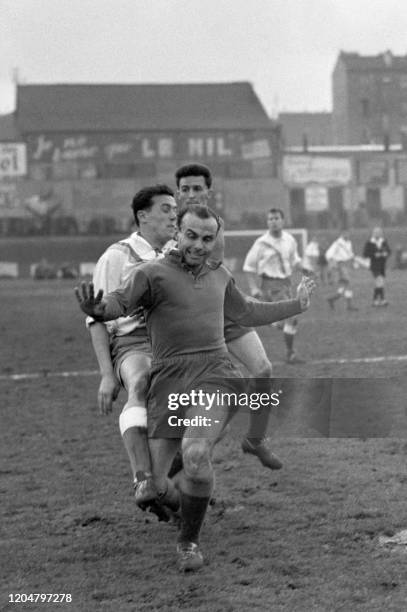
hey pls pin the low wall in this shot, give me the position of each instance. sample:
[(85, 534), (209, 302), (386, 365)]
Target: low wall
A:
[(59, 250)]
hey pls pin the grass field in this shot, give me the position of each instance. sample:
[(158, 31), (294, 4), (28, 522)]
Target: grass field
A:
[(303, 539)]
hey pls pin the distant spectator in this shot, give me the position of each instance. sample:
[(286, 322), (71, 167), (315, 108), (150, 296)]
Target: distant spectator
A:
[(68, 270), (44, 270)]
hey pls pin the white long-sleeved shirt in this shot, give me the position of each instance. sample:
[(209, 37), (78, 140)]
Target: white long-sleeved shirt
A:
[(273, 257), (340, 251)]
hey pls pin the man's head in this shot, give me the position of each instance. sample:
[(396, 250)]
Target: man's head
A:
[(275, 221), (198, 227), (377, 233), (194, 182), (155, 213)]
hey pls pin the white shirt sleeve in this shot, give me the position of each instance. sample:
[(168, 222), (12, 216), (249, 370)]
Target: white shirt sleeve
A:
[(250, 263), (295, 259), (107, 274)]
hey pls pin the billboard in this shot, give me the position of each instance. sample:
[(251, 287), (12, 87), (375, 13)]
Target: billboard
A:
[(133, 147), (13, 159), (373, 171), (303, 169), (316, 198)]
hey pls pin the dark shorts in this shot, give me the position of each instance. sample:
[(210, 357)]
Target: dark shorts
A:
[(207, 372), (341, 273), (378, 269)]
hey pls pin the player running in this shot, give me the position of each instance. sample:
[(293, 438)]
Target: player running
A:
[(194, 186), (185, 300), (340, 257), (122, 347), (272, 260)]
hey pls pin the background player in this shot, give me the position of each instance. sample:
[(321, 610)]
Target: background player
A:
[(340, 257), (269, 265), (377, 251)]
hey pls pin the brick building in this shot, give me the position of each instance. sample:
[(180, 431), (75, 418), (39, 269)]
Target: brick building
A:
[(369, 98)]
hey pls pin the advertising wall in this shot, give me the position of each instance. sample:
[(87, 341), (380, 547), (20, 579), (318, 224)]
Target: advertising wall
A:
[(13, 160)]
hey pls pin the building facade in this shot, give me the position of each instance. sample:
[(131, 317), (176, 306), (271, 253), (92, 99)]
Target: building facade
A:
[(90, 147), (306, 129), (369, 99), (354, 186)]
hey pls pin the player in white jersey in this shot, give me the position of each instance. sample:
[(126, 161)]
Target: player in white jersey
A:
[(311, 257), (122, 347), (340, 257), (194, 186), (269, 265)]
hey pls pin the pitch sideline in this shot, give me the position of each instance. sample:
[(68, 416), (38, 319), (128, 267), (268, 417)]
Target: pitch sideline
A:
[(72, 374)]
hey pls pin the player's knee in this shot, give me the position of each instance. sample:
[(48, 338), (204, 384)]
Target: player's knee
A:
[(137, 388), (132, 416), (262, 369), (196, 455)]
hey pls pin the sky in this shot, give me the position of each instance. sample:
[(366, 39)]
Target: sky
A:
[(286, 48)]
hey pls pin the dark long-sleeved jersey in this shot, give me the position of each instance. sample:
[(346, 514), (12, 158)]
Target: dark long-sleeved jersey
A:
[(184, 312)]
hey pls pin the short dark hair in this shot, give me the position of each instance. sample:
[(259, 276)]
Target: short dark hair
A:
[(199, 210), (276, 211), (143, 200), (194, 170)]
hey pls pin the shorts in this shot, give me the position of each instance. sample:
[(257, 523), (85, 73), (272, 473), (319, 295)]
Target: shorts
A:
[(341, 273), (378, 269), (209, 372), (232, 330), (276, 289), (122, 347)]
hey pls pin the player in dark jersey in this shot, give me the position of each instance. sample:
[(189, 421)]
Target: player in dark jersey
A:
[(185, 299), (194, 186), (377, 251)]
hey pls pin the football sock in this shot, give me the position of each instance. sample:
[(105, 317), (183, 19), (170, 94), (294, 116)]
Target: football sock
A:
[(170, 496), (193, 510), (289, 342), (259, 418)]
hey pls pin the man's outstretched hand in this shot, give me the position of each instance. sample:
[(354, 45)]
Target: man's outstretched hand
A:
[(305, 290), (90, 304)]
